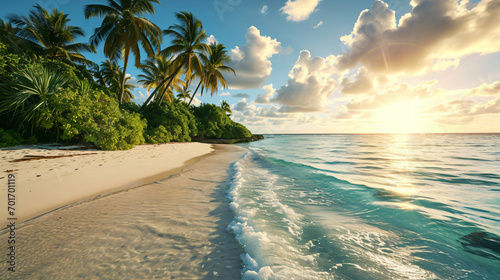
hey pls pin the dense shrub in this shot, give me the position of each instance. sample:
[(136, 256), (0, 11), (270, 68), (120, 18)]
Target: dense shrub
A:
[(169, 122), (73, 71), (96, 118), (56, 101), (7, 61), (212, 122), (11, 138)]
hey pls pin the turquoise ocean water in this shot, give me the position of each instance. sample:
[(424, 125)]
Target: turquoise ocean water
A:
[(369, 207)]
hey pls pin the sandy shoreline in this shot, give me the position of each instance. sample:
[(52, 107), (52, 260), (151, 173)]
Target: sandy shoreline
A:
[(170, 229), (43, 185)]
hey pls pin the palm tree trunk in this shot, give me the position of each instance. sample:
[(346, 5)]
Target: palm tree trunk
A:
[(170, 78), (125, 58), (192, 96), (169, 83)]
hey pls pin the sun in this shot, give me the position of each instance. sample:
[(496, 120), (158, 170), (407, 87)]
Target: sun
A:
[(401, 117)]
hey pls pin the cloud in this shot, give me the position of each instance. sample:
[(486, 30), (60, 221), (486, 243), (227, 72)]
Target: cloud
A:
[(211, 39), (196, 102), (462, 110), (318, 25), (434, 33), (299, 10), (486, 89), (362, 83), (263, 98), (310, 83), (435, 105), (133, 81), (264, 10), (359, 107), (246, 110), (241, 105), (241, 95), (251, 61), (141, 95), (225, 94)]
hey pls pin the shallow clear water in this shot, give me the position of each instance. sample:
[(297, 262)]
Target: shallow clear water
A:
[(369, 207)]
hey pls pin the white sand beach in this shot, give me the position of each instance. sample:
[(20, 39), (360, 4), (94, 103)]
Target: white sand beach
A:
[(43, 185), (174, 228)]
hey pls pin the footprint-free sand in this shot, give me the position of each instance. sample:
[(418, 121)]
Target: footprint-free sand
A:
[(144, 227)]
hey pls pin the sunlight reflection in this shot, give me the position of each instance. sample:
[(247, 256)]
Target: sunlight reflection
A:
[(401, 166)]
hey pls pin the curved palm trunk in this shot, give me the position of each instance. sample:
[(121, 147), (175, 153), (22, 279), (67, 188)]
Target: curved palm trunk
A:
[(170, 79), (192, 96), (127, 52), (170, 82)]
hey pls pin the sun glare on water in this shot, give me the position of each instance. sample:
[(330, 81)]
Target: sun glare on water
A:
[(402, 117)]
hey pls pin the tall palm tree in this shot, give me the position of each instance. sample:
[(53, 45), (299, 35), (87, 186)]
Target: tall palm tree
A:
[(214, 64), (218, 59), (226, 107), (188, 44), (157, 70), (123, 29), (49, 35)]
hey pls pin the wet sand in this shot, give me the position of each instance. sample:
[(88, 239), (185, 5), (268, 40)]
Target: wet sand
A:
[(171, 229)]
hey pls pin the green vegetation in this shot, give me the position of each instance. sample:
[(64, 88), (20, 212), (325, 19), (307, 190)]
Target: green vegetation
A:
[(212, 122), (50, 92), (11, 138), (123, 29), (169, 122)]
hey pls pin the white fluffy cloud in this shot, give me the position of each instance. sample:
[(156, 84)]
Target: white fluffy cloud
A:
[(320, 23), (310, 83), (263, 98), (434, 33), (361, 84), (251, 61), (299, 10), (211, 39)]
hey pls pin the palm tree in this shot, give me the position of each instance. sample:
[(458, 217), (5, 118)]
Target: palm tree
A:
[(157, 70), (182, 96), (110, 71), (113, 75), (8, 36), (225, 106), (188, 44), (98, 75), (184, 93), (50, 36), (123, 28), (116, 86), (214, 64)]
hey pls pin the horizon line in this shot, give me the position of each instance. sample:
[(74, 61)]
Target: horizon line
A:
[(382, 133)]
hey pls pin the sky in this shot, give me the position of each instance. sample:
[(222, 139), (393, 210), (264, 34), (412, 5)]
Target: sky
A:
[(359, 66)]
